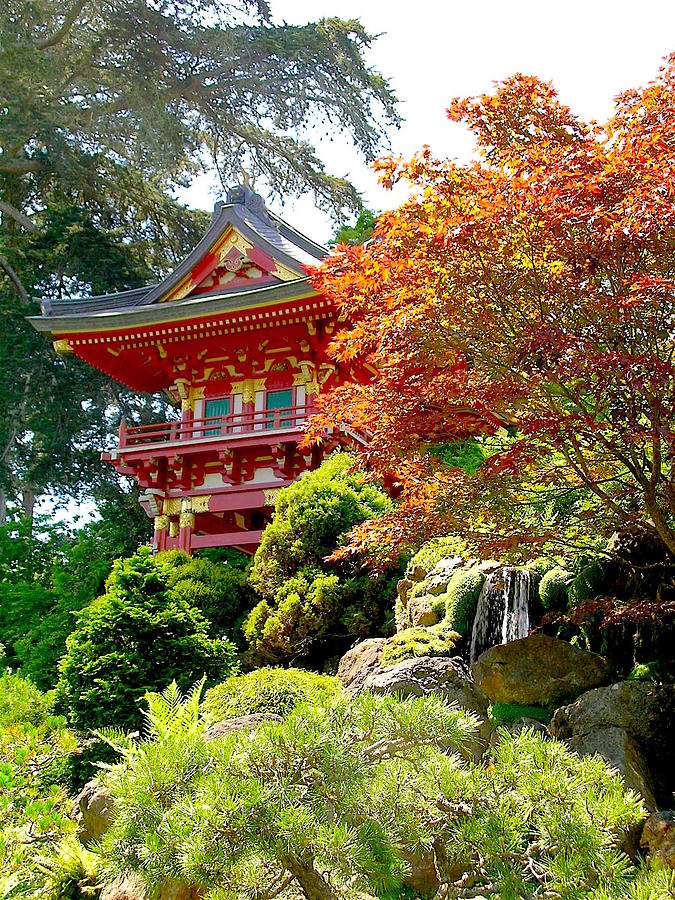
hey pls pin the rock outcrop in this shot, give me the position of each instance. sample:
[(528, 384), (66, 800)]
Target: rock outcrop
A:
[(538, 671), (658, 838), (92, 810), (360, 661), (240, 723), (631, 725), (447, 676)]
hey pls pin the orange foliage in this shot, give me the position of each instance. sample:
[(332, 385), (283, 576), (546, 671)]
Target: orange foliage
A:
[(534, 289)]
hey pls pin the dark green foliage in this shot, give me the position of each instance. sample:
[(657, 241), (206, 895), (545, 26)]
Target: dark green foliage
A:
[(219, 590), (588, 580), (541, 566), (266, 690), (358, 233), (507, 713), (311, 608), (462, 598), (47, 575), (138, 636), (554, 589)]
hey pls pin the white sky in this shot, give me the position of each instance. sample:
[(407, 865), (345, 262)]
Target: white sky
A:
[(434, 50)]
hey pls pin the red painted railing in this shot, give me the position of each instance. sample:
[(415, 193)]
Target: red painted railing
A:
[(231, 425)]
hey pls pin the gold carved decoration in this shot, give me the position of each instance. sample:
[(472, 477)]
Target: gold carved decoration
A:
[(284, 273), (173, 529), (171, 506), (161, 522), (248, 388), (186, 520), (233, 238), (63, 347), (200, 503), (271, 495)]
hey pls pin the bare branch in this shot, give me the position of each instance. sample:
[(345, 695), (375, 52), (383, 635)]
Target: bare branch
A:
[(16, 281), (17, 215), (68, 22)]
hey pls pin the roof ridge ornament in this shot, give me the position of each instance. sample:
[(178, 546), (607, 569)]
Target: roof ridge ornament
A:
[(242, 195)]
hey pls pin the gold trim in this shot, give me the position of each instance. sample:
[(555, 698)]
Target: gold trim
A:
[(284, 273), (62, 346), (271, 495), (173, 529), (200, 503), (161, 522), (171, 506)]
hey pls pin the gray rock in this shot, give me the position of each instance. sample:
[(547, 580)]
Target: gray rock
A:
[(448, 566), (538, 671), (447, 676), (638, 707), (621, 750), (240, 723), (92, 809), (658, 837), (361, 660)]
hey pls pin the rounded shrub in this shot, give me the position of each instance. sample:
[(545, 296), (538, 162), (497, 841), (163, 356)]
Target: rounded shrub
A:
[(267, 690), (554, 589), (137, 637), (434, 551), (313, 607), (437, 640), (541, 566), (462, 598)]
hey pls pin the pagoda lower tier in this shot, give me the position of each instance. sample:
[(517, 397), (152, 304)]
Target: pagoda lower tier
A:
[(213, 481)]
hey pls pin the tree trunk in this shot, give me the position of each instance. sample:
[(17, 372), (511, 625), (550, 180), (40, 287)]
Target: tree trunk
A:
[(3, 506), (28, 500), (314, 886)]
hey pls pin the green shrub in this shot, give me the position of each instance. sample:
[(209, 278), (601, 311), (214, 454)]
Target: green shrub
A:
[(138, 636), (267, 691), (434, 551), (311, 608), (219, 590), (34, 749), (332, 801), (507, 713), (462, 598), (437, 640), (588, 581), (554, 588), (541, 566), (650, 671)]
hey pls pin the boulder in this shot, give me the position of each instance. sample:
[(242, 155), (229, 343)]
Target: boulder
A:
[(422, 611), (631, 724), (658, 837), (92, 810), (361, 660), (621, 750), (122, 888), (538, 671), (424, 675), (240, 723)]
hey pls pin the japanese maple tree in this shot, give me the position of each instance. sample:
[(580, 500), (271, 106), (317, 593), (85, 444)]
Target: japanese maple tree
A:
[(524, 302)]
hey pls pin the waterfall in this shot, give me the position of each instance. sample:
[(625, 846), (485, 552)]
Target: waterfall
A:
[(502, 613)]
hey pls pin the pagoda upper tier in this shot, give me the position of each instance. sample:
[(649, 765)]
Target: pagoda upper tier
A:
[(237, 337)]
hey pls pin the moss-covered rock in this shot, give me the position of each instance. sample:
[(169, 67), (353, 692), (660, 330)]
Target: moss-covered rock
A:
[(554, 589), (267, 690), (462, 599), (541, 566), (437, 640)]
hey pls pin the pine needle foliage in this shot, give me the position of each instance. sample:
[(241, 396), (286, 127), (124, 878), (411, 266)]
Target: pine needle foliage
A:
[(337, 798)]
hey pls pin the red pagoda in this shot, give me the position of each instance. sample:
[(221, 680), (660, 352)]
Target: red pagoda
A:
[(237, 336)]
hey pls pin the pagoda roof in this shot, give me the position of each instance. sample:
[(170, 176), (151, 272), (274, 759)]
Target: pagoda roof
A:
[(242, 230)]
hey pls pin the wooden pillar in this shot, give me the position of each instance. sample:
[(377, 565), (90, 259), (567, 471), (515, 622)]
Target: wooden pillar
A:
[(159, 537), (186, 527)]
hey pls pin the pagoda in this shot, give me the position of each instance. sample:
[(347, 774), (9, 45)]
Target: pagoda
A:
[(237, 337)]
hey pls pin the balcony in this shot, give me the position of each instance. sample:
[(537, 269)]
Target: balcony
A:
[(234, 428)]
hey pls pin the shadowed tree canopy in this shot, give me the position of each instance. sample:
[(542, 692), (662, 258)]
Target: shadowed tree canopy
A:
[(107, 107)]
